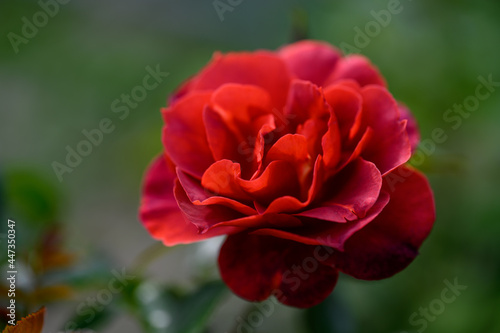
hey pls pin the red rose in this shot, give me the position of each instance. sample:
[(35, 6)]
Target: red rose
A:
[(298, 156)]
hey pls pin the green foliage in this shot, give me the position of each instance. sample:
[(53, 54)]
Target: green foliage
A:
[(169, 310), (30, 198)]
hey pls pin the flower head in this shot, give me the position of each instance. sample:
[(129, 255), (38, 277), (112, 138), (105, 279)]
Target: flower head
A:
[(290, 154)]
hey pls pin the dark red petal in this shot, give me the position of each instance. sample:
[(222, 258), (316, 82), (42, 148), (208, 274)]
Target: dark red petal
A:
[(316, 285), (278, 179), (261, 68), (159, 211), (262, 221), (350, 193), (363, 142), (348, 83), (241, 104), (290, 204), (235, 132), (389, 146), (256, 267), (204, 217), (262, 141), (313, 131), (310, 60), (200, 196), (331, 143), (390, 242), (184, 134), (305, 101), (324, 232), (358, 68), (411, 126), (347, 104), (292, 148), (221, 179), (226, 142)]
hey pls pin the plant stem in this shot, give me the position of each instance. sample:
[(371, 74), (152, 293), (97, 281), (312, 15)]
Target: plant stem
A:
[(148, 255)]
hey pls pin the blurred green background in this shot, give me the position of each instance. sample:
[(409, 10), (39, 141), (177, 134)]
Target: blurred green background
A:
[(64, 79)]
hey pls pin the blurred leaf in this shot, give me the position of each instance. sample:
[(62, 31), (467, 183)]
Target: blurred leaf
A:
[(31, 197), (97, 320), (94, 313), (196, 309), (330, 316), (50, 252), (52, 294), (168, 311), (33, 323), (82, 275)]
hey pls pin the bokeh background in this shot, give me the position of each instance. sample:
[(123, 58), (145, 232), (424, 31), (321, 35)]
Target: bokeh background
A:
[(73, 234)]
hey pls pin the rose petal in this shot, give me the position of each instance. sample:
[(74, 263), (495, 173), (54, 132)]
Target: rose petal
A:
[(411, 126), (160, 213), (310, 60), (265, 138), (262, 221), (278, 179), (305, 101), (215, 214), (221, 179), (355, 190), (293, 148), (241, 104), (390, 242), (223, 141), (204, 217), (224, 178), (331, 143), (389, 146), (256, 267), (318, 232), (347, 104), (348, 157), (184, 134), (358, 68), (263, 69), (290, 204), (237, 142), (313, 130), (200, 196)]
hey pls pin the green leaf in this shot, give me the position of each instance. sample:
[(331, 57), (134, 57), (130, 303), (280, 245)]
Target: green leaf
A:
[(91, 318), (196, 309), (170, 311), (30, 197), (93, 272)]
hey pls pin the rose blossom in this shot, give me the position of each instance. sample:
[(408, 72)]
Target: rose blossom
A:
[(290, 154)]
